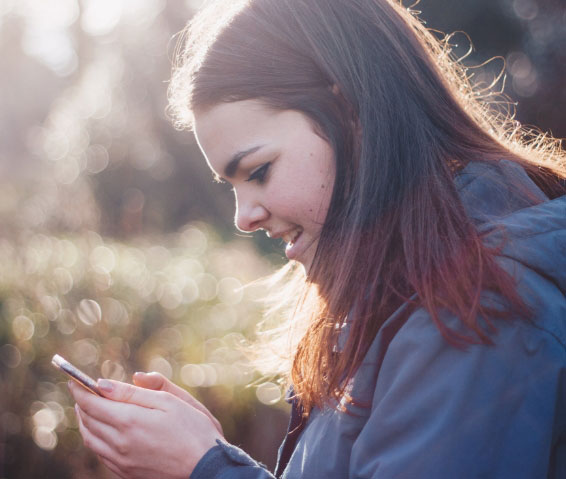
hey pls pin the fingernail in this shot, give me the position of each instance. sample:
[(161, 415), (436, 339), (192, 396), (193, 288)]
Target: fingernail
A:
[(105, 385)]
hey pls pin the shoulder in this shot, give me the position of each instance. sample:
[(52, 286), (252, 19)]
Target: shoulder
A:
[(527, 231), (532, 249), (520, 348), (436, 409), (529, 238), (529, 350)]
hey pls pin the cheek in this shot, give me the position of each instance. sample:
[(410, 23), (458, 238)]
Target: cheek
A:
[(326, 194), (322, 186), (315, 206)]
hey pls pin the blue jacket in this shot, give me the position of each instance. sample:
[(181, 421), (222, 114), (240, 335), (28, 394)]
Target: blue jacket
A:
[(438, 412)]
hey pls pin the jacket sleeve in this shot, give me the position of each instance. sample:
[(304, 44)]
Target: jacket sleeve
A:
[(225, 461), (439, 412)]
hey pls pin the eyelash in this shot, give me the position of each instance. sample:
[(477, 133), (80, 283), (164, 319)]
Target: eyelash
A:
[(259, 174)]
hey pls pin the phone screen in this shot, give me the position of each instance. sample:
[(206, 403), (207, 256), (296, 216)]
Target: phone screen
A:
[(75, 374)]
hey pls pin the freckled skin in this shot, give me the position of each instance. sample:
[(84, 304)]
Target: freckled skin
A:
[(290, 198)]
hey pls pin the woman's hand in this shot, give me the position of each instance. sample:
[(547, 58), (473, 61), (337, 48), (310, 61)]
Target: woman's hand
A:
[(142, 433), (158, 382)]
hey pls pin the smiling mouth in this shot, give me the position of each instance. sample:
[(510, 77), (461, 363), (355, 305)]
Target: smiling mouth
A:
[(292, 236)]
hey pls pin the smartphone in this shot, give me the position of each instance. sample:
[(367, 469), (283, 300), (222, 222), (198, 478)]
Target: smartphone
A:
[(75, 374)]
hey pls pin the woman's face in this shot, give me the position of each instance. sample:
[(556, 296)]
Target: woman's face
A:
[(281, 171)]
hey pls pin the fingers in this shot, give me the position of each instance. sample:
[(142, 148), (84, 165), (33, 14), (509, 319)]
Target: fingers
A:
[(110, 465), (91, 441), (93, 405), (128, 393), (118, 415), (111, 445), (101, 430), (153, 380), (157, 381), (142, 435)]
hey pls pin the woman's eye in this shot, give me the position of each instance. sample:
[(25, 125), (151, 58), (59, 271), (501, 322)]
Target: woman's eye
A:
[(259, 174)]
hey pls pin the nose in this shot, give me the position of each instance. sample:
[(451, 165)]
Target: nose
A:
[(250, 215)]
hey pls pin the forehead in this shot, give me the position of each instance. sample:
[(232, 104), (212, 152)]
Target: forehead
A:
[(226, 128), (230, 114)]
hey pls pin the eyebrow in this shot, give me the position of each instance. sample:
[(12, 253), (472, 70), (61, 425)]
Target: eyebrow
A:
[(232, 166)]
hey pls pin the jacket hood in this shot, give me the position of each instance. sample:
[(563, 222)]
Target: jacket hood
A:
[(528, 228)]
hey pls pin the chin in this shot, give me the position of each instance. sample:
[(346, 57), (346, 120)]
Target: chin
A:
[(306, 266), (305, 260)]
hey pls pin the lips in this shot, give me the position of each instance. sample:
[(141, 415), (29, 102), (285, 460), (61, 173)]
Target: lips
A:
[(293, 248), (291, 236)]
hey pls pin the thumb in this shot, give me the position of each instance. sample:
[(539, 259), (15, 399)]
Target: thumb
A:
[(124, 392), (149, 381), (159, 382)]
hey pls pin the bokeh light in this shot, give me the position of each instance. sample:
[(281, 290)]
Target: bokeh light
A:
[(10, 355), (192, 375), (268, 393), (45, 438), (89, 312), (66, 322), (113, 370), (85, 352), (23, 328), (161, 365)]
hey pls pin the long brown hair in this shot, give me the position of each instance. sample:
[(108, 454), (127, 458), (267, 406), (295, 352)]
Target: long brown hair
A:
[(403, 120)]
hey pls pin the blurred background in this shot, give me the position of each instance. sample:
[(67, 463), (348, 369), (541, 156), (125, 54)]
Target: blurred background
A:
[(118, 252)]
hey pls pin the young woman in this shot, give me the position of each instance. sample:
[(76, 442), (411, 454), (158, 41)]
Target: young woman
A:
[(432, 239)]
